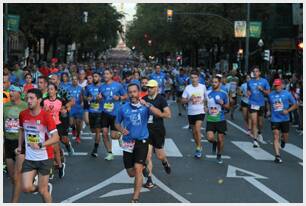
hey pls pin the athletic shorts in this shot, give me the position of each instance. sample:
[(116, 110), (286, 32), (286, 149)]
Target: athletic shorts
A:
[(94, 120), (179, 94), (139, 154), (62, 130), (65, 125), (9, 148), (76, 113), (243, 104), (219, 127), (260, 111), (156, 136), (282, 126), (85, 105), (107, 121), (193, 118), (43, 166)]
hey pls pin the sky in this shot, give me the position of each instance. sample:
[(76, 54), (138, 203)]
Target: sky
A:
[(128, 8)]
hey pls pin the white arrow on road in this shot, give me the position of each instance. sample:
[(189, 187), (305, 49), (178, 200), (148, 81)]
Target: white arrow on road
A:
[(123, 178), (122, 192), (251, 178)]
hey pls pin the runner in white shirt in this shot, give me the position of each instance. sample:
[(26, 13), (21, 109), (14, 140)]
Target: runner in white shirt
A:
[(195, 94)]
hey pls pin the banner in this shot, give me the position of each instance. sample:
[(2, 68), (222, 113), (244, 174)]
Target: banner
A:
[(13, 23), (255, 29), (240, 29)]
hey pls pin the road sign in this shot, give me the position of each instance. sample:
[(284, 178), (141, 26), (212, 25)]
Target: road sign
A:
[(252, 177), (255, 29), (240, 29), (13, 23)]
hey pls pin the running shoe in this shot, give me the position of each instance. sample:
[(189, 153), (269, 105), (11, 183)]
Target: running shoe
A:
[(78, 140), (219, 159), (260, 137), (167, 167), (70, 149), (35, 183), (94, 152), (198, 153), (255, 144), (149, 184), (61, 171), (51, 174), (179, 114), (109, 156), (278, 159), (283, 144), (135, 201), (50, 188)]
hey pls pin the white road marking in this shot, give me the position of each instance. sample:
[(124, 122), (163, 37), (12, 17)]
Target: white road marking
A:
[(251, 178), (122, 178), (122, 192), (77, 153), (202, 140), (84, 138), (294, 150), (256, 153), (215, 156), (301, 163), (83, 133), (242, 130), (187, 127), (170, 148)]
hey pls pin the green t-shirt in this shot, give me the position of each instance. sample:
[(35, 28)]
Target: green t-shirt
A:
[(11, 119)]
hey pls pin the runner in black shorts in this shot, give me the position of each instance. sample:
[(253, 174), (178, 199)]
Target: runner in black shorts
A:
[(157, 130)]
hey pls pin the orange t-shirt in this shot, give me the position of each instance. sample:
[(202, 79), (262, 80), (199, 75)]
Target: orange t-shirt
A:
[(142, 94)]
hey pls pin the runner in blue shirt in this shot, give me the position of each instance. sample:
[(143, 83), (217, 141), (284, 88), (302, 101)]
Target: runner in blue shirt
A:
[(242, 91), (131, 121), (217, 102), (76, 112), (180, 84), (257, 88), (280, 101), (112, 92), (160, 77), (93, 97)]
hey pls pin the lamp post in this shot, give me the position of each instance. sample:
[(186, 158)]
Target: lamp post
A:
[(5, 33)]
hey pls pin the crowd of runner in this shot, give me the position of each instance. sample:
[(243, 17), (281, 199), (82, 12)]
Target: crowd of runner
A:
[(43, 104)]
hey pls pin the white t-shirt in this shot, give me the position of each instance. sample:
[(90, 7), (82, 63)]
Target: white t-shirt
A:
[(196, 96)]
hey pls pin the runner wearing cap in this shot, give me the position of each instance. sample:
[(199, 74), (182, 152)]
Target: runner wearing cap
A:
[(131, 121), (14, 162), (280, 100), (157, 131), (257, 88)]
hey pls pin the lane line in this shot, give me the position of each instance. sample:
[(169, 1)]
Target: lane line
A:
[(256, 153), (294, 150), (77, 153), (242, 130), (215, 156)]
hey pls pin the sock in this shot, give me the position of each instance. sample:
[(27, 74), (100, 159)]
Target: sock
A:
[(218, 155), (164, 162), (259, 132), (149, 179), (96, 145)]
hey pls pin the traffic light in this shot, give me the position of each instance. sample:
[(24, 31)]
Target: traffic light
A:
[(267, 55), (169, 15)]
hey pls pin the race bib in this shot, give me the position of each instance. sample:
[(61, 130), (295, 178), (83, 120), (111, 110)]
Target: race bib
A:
[(255, 107), (94, 106), (33, 138), (12, 125), (128, 146), (150, 121), (109, 107)]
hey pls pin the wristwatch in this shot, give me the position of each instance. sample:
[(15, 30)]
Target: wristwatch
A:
[(40, 145)]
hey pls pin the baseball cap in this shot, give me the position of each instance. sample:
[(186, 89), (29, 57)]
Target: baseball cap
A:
[(152, 83), (15, 88), (277, 82)]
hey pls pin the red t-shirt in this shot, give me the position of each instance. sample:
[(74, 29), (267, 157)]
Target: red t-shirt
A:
[(37, 130), (26, 87), (117, 78), (44, 71)]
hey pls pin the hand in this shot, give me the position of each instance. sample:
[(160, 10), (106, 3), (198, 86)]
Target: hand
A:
[(125, 132), (64, 111), (260, 88), (34, 146), (99, 97), (220, 101), (89, 98), (18, 150), (285, 112), (116, 98), (206, 109)]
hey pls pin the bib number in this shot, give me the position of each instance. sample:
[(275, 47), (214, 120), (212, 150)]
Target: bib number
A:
[(94, 106), (128, 146), (12, 125), (255, 107), (109, 107)]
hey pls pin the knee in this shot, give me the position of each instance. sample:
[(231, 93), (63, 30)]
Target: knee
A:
[(43, 191), (27, 188)]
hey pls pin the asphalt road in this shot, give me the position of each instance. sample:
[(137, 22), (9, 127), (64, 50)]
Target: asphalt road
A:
[(247, 175)]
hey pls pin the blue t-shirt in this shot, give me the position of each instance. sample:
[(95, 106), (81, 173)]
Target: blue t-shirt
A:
[(108, 104), (215, 110), (135, 120), (180, 82), (135, 81), (93, 90), (244, 90), (257, 97), (161, 79), (76, 92), (280, 101), (65, 86)]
